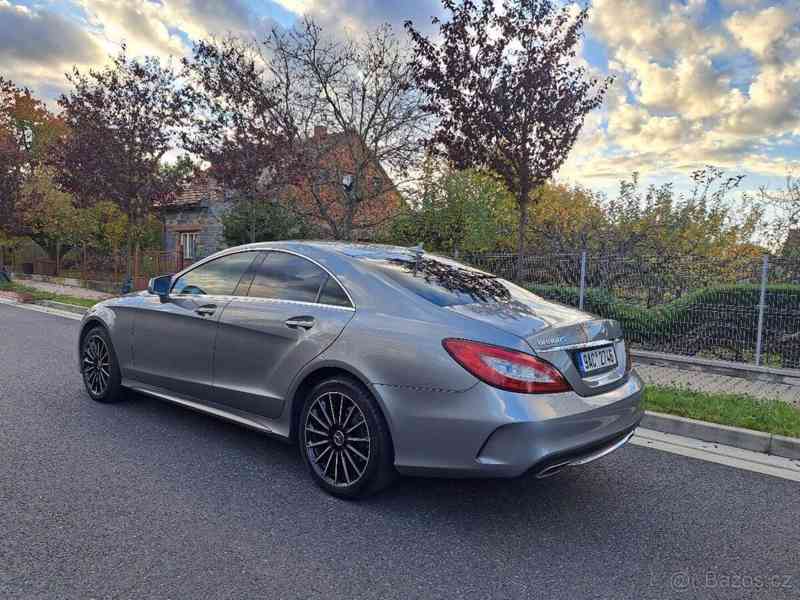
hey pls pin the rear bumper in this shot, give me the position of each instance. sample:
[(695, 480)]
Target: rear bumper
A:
[(485, 432)]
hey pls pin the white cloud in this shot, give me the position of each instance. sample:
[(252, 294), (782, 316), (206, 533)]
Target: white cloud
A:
[(140, 24), (658, 29), (679, 108), (771, 34), (37, 47), (359, 15)]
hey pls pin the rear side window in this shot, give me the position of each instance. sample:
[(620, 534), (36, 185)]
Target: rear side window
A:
[(282, 276), (218, 277), (332, 293)]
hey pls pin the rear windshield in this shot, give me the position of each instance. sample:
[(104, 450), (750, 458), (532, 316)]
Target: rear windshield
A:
[(444, 283)]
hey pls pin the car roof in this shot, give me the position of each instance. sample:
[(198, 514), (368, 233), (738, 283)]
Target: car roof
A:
[(350, 250)]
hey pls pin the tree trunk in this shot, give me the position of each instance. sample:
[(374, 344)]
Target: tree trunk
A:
[(523, 204)]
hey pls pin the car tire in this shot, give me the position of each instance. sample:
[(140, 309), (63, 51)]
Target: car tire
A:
[(344, 440), (100, 368)]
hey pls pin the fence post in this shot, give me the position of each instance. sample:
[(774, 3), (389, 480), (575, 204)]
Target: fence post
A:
[(135, 266), (583, 280), (761, 303)]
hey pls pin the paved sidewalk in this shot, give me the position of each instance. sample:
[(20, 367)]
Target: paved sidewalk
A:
[(66, 290), (712, 383)]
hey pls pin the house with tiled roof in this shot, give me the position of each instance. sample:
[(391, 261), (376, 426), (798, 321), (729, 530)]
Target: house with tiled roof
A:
[(193, 218)]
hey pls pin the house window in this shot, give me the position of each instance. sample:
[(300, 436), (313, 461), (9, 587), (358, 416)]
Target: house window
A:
[(188, 242)]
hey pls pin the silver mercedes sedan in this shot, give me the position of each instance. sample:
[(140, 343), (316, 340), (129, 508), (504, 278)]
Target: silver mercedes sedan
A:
[(374, 360)]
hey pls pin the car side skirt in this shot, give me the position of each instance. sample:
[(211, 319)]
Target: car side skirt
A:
[(245, 419)]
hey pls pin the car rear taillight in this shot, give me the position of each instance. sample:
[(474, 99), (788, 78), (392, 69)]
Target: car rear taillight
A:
[(506, 369)]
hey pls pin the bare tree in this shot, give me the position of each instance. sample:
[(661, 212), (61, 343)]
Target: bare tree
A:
[(241, 126), (316, 121), (507, 90)]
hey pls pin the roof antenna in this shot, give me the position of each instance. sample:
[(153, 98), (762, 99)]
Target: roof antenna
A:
[(418, 251)]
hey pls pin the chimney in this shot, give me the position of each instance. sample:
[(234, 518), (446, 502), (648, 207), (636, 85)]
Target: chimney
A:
[(320, 131)]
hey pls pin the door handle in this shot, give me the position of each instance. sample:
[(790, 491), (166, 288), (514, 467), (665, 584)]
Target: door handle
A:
[(300, 322), (206, 310)]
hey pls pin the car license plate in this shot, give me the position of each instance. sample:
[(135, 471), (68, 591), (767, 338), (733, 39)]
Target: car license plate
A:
[(597, 359)]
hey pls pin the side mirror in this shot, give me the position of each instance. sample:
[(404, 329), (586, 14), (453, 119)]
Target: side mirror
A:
[(160, 286)]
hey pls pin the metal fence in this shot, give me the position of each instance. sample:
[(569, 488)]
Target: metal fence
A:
[(110, 272), (741, 309)]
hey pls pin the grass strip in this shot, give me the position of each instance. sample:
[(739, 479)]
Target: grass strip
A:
[(769, 416), (36, 295)]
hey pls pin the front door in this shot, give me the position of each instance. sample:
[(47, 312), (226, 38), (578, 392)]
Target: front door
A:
[(173, 341), (293, 310)]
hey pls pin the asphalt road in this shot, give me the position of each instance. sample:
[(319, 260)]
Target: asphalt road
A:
[(147, 500)]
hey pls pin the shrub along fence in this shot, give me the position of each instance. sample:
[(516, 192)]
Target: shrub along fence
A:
[(742, 309)]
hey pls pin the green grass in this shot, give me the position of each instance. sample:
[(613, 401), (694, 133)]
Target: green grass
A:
[(771, 416), (36, 295)]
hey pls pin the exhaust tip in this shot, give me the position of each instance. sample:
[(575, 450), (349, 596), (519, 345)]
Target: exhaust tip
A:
[(551, 470)]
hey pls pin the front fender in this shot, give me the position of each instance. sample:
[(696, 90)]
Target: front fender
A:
[(117, 317)]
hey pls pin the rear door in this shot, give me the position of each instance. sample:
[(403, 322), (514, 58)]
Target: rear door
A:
[(291, 312), (173, 341)]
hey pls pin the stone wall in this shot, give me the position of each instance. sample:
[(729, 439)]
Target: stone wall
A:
[(205, 218)]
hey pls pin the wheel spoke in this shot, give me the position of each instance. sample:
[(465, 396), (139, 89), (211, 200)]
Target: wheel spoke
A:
[(325, 414), (323, 453), (357, 453), (356, 426), (319, 443), (352, 462), (315, 431), (352, 439), (349, 414), (336, 467), (341, 405), (331, 408), (320, 421), (344, 468), (328, 464)]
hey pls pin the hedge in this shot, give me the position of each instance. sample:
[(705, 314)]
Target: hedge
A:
[(718, 321)]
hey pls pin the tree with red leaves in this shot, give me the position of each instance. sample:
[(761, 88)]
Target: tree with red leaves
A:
[(122, 122), (507, 90)]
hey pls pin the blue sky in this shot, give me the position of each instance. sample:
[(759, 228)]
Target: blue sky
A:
[(696, 81)]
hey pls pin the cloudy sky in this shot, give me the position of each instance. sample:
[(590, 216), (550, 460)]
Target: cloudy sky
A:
[(697, 81)]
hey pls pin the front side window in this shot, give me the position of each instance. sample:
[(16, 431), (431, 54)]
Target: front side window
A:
[(218, 277)]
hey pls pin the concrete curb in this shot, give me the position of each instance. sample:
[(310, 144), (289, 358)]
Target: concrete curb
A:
[(78, 310), (747, 439)]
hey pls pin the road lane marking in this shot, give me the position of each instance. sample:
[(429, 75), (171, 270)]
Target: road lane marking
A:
[(757, 462)]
